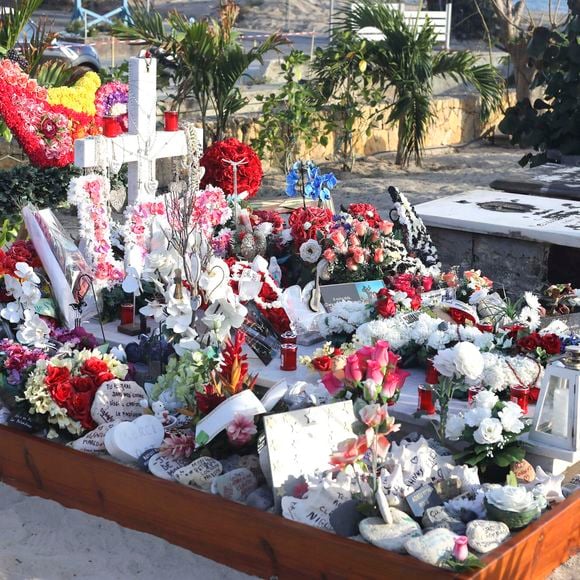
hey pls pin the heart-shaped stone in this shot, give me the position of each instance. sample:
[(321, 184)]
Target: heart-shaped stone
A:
[(117, 401), (434, 547), (128, 440), (117, 198), (151, 186)]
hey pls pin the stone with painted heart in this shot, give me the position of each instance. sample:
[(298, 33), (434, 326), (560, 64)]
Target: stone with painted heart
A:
[(164, 467), (93, 442), (128, 440), (117, 401)]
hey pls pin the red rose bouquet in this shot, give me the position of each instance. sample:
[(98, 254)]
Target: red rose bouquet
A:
[(62, 388), (220, 173)]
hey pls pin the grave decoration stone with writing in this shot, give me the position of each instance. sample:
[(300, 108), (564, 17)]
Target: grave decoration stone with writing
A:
[(117, 401), (422, 499), (485, 535), (319, 502), (165, 467), (301, 442), (235, 485), (94, 441), (392, 537), (199, 473), (143, 460)]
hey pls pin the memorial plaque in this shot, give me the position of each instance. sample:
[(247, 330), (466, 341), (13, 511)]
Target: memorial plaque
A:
[(423, 498), (352, 292)]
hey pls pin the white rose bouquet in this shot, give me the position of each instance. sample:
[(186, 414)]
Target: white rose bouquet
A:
[(491, 427)]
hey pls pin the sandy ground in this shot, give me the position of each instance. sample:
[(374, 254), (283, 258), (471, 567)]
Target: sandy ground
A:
[(40, 540)]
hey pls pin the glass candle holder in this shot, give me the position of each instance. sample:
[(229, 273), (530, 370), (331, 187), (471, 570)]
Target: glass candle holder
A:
[(520, 394), (111, 127), (431, 373), (171, 119), (288, 357), (472, 392), (426, 400), (127, 314), (288, 337)]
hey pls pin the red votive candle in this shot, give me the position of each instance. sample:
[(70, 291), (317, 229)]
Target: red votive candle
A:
[(426, 402), (472, 392), (520, 395), (431, 374), (288, 337), (111, 127), (171, 118), (288, 357), (127, 314)]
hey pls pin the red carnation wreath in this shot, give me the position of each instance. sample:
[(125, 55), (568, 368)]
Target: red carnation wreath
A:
[(221, 174)]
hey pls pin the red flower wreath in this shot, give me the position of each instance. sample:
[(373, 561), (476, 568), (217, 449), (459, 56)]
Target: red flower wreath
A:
[(221, 174)]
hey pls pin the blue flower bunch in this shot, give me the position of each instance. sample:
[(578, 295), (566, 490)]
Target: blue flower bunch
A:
[(306, 180)]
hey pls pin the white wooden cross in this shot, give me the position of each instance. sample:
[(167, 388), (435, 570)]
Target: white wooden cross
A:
[(142, 145)]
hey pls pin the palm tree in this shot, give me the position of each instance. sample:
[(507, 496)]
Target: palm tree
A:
[(204, 59), (405, 63)]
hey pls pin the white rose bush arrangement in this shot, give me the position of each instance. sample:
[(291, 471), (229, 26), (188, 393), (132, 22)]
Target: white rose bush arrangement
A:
[(491, 429)]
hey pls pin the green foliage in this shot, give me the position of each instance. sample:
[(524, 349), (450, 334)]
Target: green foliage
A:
[(346, 86), (405, 63), (42, 187), (9, 230), (118, 73), (204, 58), (552, 122), (290, 117), (13, 22)]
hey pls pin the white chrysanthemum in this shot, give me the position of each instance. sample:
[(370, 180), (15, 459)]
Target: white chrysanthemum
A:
[(439, 340), (485, 341), (469, 333), (468, 360), (444, 362)]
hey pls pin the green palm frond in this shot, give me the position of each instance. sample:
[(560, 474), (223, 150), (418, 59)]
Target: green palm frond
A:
[(462, 66)]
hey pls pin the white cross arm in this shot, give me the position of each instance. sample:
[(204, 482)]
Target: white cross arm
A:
[(125, 148)]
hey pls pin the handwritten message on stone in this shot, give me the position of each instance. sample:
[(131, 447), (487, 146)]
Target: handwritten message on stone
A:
[(93, 442), (117, 401)]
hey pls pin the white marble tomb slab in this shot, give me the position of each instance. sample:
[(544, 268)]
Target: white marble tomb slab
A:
[(550, 220)]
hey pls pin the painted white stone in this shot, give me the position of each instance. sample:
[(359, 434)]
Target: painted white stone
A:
[(235, 485), (117, 401), (94, 441), (392, 537), (128, 440), (434, 547), (165, 467), (199, 473), (555, 221), (486, 535)]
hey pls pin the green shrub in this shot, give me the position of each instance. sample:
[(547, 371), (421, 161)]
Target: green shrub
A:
[(42, 187)]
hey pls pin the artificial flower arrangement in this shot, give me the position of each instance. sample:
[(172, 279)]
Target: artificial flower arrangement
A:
[(307, 181), (60, 390), (198, 381), (16, 363), (45, 132), (328, 358), (370, 374), (491, 429), (218, 162), (80, 97), (111, 100)]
